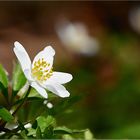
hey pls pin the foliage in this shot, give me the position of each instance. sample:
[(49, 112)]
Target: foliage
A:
[(25, 116)]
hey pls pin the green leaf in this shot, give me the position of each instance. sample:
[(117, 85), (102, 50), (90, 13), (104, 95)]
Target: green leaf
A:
[(44, 122), (62, 130), (3, 77), (88, 135), (65, 130), (48, 132), (78, 131), (22, 126), (38, 133), (19, 79), (24, 134), (31, 132), (6, 115), (68, 137), (3, 81), (34, 125), (4, 91)]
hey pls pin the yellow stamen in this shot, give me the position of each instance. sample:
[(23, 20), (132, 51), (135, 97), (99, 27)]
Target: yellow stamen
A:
[(41, 70)]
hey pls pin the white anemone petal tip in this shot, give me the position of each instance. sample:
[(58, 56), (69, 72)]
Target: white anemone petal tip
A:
[(50, 50), (16, 43), (67, 94)]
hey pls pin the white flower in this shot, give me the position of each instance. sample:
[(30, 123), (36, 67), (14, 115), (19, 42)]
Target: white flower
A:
[(12, 126), (49, 105), (134, 18), (28, 125), (40, 73), (45, 102), (76, 38)]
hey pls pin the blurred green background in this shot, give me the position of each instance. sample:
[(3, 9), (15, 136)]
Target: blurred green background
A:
[(99, 43)]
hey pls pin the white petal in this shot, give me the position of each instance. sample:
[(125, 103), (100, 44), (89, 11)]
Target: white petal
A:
[(22, 56), (47, 54), (39, 89), (27, 73), (58, 89), (49, 50), (60, 77)]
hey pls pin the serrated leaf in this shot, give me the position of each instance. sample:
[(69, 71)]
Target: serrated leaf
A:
[(3, 77), (6, 115), (19, 79), (44, 122), (38, 133)]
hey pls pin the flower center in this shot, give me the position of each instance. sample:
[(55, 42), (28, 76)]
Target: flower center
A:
[(41, 70)]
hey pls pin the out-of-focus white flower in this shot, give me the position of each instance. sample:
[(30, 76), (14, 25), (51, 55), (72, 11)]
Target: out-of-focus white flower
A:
[(28, 125), (134, 18), (76, 38), (49, 105), (45, 102), (11, 111), (12, 126), (40, 74)]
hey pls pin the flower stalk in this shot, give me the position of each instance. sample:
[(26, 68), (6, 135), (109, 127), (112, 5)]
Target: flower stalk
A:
[(22, 101)]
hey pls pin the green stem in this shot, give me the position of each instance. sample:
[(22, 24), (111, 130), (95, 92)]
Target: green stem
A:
[(12, 96), (2, 129), (3, 123), (25, 98)]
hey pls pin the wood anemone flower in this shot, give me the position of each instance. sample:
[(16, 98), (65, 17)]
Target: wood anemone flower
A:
[(40, 74)]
